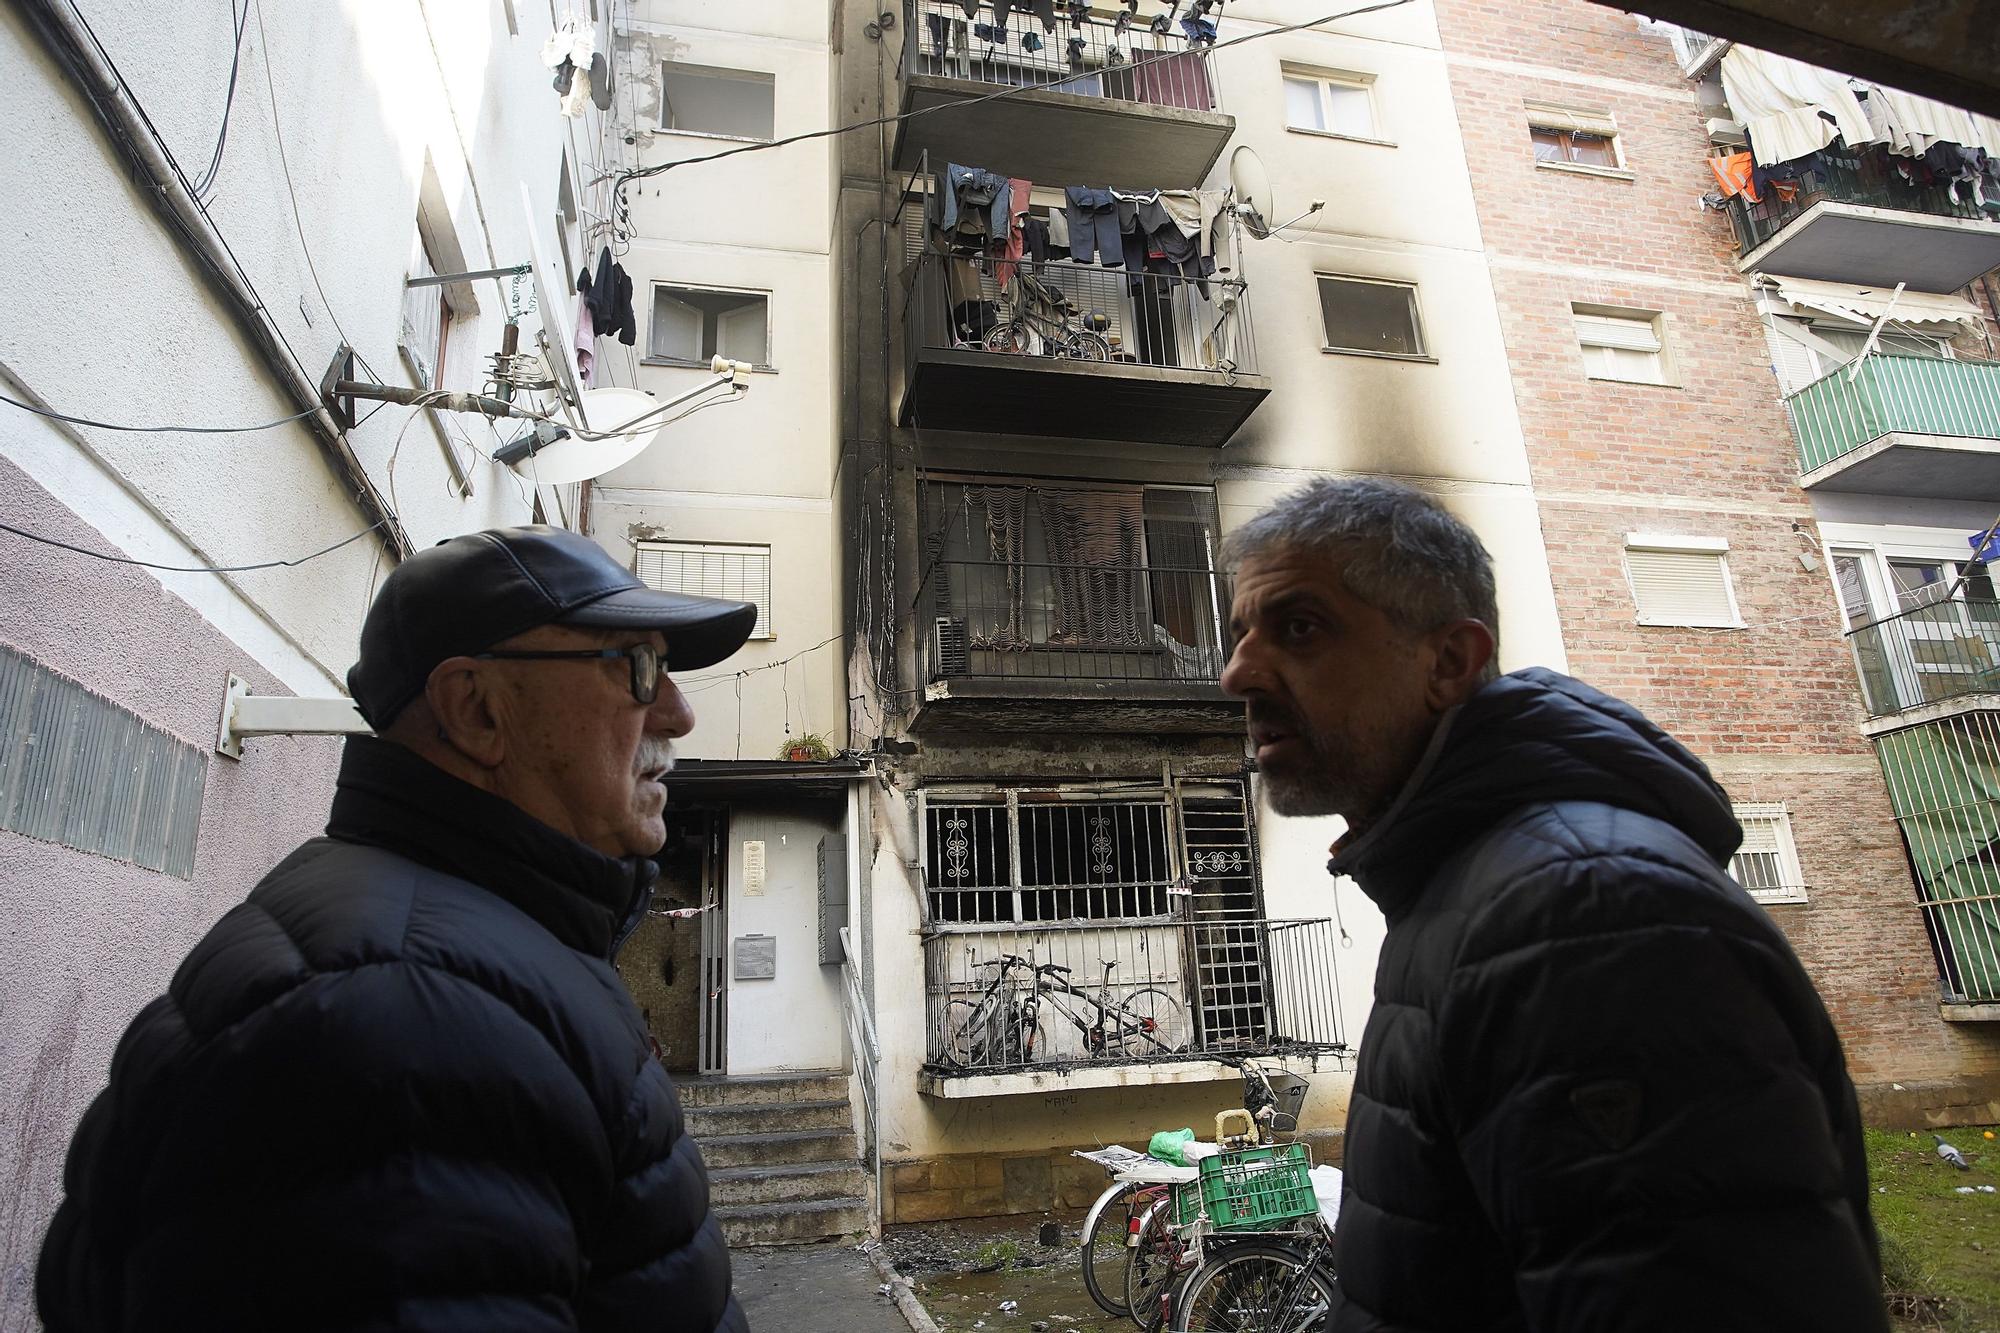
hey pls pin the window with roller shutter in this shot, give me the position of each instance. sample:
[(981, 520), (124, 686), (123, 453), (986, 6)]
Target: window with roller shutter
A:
[(1623, 345), (735, 571), (1767, 864), (1681, 581)]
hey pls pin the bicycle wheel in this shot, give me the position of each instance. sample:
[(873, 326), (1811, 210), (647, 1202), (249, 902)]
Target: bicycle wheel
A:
[(1083, 345), (1154, 1267), (1105, 1254), (1149, 1022), (962, 1035), (1257, 1288), (1012, 336)]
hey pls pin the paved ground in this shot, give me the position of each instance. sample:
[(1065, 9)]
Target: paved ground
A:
[(828, 1288)]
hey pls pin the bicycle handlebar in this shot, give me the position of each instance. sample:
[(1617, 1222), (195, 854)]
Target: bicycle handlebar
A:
[(1052, 967), (1003, 961)]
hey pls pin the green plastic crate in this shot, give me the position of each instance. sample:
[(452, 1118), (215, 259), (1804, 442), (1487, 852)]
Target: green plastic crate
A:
[(1257, 1189)]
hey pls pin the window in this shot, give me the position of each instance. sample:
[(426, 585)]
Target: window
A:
[(1364, 315), (1681, 581), (1563, 137), (692, 326), (733, 103), (1768, 862), (427, 317), (738, 572), (1621, 344), (1077, 860), (1341, 104)]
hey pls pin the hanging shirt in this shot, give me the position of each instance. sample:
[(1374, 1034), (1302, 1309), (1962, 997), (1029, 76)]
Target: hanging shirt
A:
[(1734, 175), (1007, 248), (586, 346)]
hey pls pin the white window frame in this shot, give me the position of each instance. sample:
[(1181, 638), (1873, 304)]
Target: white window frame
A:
[(765, 77), (1581, 311), (1679, 544), (1791, 886), (1347, 80), (768, 364), (1423, 352), (1578, 120), (765, 627)]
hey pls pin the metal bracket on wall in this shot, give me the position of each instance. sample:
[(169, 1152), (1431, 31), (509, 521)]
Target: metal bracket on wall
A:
[(245, 715)]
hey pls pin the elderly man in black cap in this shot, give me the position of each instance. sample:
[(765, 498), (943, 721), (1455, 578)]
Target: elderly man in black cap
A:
[(401, 1086)]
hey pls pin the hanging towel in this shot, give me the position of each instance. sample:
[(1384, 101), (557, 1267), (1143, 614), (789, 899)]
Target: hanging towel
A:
[(586, 347), (1734, 174)]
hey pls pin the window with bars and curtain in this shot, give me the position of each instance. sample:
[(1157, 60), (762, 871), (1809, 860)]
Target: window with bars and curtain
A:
[(734, 571), (1111, 579)]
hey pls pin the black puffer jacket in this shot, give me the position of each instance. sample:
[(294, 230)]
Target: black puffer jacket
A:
[(400, 1087), (1596, 1090)]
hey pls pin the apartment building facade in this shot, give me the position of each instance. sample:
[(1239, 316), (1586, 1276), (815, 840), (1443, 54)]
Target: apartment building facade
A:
[(1701, 429), (166, 274)]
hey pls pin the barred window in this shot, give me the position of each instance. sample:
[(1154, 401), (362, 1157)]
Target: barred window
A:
[(1768, 862), (1058, 860)]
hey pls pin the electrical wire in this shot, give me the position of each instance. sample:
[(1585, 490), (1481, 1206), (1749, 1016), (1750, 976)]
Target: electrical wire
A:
[(204, 185), (191, 569), (169, 430), (624, 178)]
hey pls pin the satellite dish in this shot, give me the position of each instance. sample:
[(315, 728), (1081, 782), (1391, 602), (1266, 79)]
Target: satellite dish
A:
[(1252, 185), (608, 409)]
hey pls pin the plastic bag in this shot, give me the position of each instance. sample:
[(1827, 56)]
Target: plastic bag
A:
[(1169, 1146)]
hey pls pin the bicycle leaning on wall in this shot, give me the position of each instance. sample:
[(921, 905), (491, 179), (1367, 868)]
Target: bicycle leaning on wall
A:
[(1004, 1026)]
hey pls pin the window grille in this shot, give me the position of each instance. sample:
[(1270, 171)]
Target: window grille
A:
[(737, 573), (1054, 861), (1767, 864)]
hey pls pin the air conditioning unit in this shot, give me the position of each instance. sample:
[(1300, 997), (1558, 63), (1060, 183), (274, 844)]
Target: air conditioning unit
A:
[(950, 656)]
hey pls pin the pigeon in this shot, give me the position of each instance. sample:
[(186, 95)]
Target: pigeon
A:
[(1950, 1154)]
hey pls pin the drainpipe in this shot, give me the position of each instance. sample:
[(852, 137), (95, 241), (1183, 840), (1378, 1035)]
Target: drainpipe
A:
[(71, 46)]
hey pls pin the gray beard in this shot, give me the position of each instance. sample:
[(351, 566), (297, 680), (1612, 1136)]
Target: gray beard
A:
[(1308, 794)]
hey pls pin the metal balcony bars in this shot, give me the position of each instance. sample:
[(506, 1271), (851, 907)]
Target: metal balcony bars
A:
[(1867, 176), (1941, 650), (1892, 394), (1118, 59)]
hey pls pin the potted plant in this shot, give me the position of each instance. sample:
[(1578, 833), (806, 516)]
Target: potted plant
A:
[(805, 748)]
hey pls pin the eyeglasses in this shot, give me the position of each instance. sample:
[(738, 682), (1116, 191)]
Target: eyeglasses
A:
[(645, 660)]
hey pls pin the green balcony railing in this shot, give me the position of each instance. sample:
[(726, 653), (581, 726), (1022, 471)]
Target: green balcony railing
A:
[(1891, 394), (1943, 650)]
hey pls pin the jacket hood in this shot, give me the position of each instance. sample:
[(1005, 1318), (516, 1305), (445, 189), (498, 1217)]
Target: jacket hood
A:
[(1531, 738)]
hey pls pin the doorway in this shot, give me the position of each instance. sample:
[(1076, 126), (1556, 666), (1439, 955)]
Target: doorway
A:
[(673, 963)]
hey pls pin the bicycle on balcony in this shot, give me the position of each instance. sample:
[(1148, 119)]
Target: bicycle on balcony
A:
[(1045, 322), (1003, 1026)]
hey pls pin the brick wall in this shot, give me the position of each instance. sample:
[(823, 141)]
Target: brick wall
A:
[(1775, 707)]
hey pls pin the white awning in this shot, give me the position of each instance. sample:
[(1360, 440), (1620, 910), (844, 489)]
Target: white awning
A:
[(1785, 104), (1929, 311)]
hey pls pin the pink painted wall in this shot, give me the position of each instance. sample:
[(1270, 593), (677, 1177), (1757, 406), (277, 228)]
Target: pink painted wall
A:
[(88, 941)]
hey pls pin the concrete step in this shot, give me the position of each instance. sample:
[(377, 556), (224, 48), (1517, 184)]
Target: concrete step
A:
[(813, 1085), (766, 1118), (780, 1149), (793, 1223), (733, 1186)]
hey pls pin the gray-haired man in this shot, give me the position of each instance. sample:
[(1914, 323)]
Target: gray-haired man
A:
[(1596, 1089)]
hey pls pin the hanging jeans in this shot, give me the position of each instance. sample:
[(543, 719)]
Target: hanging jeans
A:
[(1093, 227)]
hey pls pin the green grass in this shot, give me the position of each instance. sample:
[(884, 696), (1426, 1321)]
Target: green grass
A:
[(1936, 1242)]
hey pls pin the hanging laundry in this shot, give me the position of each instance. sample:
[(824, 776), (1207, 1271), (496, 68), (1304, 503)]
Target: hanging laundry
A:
[(600, 82), (990, 32), (569, 51), (973, 204), (1093, 226), (1076, 50), (940, 29), (971, 8), (1058, 234), (608, 297), (578, 97), (586, 347), (1045, 10), (1035, 241), (1008, 246), (1734, 174), (1200, 31), (1031, 41)]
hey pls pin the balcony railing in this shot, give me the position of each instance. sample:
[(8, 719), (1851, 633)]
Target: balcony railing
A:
[(1894, 394), (1944, 650), (1082, 622), (1082, 315), (1094, 58), (1941, 779), (1175, 990), (1868, 177)]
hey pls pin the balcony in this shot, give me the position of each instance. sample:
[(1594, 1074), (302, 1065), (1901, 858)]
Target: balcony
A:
[(1075, 647), (1944, 786), (1098, 101), (1178, 997), (1902, 425), (1937, 653), (1078, 352), (1856, 221)]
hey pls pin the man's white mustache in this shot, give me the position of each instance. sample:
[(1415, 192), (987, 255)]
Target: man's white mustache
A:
[(654, 756)]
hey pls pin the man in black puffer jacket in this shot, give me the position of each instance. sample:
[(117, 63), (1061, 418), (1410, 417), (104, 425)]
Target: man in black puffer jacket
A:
[(401, 1087), (1596, 1090)]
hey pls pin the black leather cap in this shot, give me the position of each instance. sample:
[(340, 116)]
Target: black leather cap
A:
[(468, 593)]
